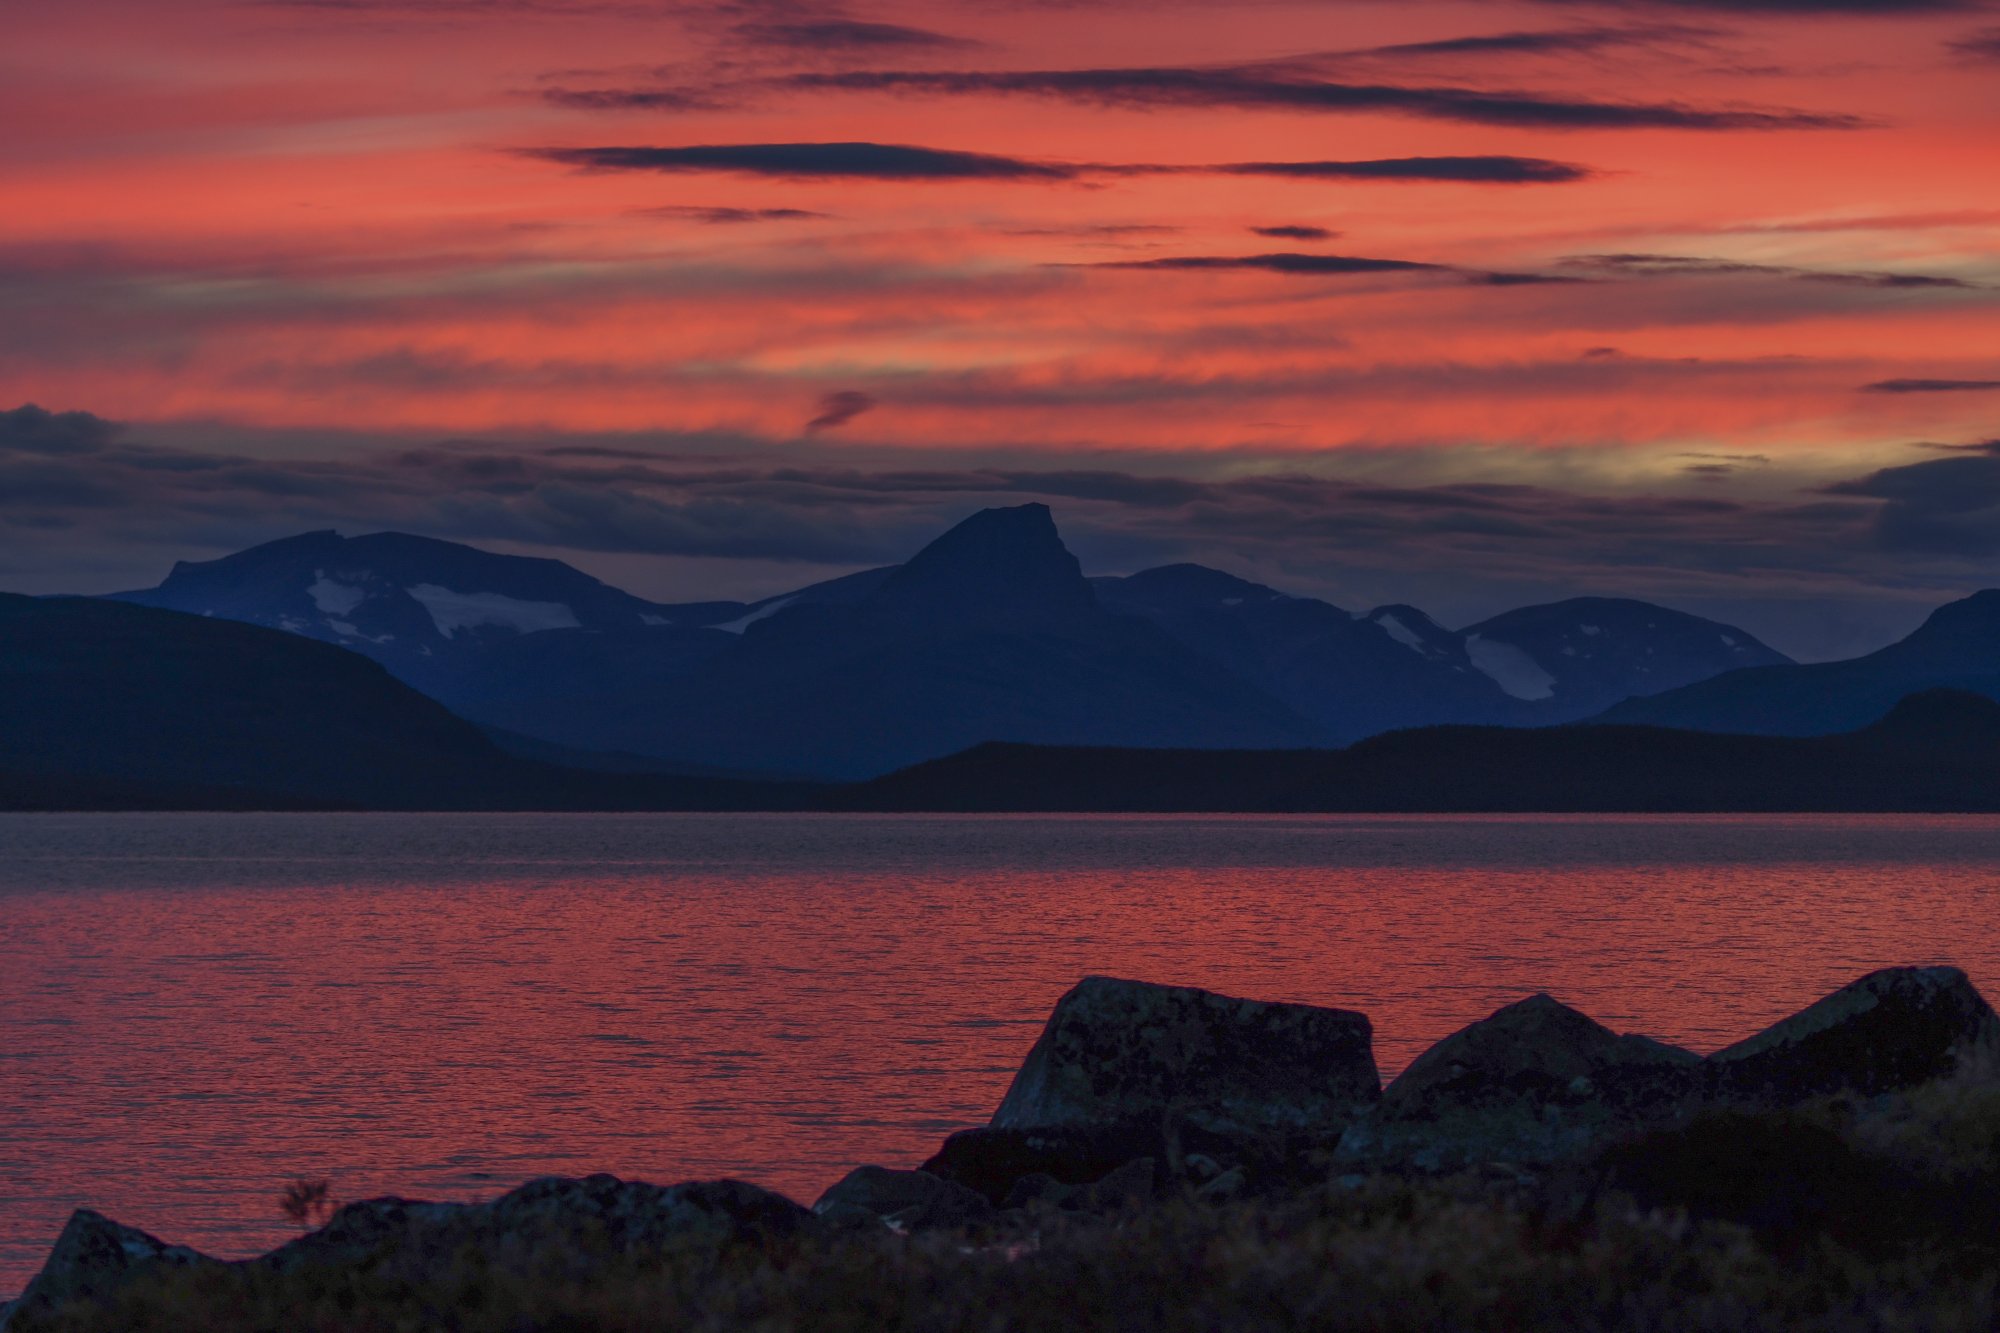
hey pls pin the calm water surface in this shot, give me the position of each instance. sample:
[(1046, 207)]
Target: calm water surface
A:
[(196, 1008)]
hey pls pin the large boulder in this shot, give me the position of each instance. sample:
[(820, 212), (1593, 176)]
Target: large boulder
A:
[(991, 1162), (94, 1257), (1118, 1051), (1891, 1030), (1535, 1081), (906, 1200), (601, 1210)]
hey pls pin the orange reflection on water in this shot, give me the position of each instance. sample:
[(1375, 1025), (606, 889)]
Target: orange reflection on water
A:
[(194, 1009)]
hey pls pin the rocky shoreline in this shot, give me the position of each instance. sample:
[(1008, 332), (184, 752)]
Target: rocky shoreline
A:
[(1140, 1097)]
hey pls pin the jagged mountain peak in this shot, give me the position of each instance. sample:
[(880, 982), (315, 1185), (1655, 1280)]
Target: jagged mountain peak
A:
[(999, 563)]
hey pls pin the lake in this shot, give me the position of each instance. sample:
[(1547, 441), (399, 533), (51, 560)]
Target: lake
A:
[(195, 1009)]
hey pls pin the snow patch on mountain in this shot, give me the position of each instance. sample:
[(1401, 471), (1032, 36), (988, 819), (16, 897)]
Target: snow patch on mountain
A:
[(1510, 668), (453, 611), (334, 598), (741, 623), (1401, 633)]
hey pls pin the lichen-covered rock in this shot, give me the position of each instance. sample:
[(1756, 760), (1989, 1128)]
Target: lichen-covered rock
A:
[(1115, 1051), (907, 1200), (1534, 1081), (1891, 1030), (1131, 1185), (599, 1211), (93, 1257)]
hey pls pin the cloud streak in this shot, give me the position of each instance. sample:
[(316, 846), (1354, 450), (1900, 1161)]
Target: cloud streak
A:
[(819, 35), (837, 409), (1981, 45), (877, 161), (823, 161), (1651, 265), (1268, 88), (1930, 386)]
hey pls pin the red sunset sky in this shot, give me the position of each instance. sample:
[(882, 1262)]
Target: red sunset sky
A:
[(1701, 302)]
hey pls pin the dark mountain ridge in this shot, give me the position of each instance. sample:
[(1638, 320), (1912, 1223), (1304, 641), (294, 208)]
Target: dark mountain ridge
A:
[(1938, 751), (109, 706), (1957, 647), (989, 633), (106, 705)]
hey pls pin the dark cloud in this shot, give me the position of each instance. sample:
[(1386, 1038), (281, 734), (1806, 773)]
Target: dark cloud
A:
[(828, 161), (32, 430), (846, 34), (1096, 230), (1291, 232), (902, 162), (837, 409), (632, 99), (1267, 87), (1930, 386), (1981, 45), (1942, 505), (1804, 8), (1297, 264), (1559, 41), (1489, 169), (1283, 262), (723, 216), (1648, 265)]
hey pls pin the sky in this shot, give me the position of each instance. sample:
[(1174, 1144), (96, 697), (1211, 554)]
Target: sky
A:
[(1467, 304)]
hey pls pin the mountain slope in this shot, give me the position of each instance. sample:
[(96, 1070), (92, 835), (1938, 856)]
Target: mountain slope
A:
[(115, 706), (1350, 676), (989, 632), (1578, 657), (1958, 647), (491, 636), (1395, 667), (1938, 751)]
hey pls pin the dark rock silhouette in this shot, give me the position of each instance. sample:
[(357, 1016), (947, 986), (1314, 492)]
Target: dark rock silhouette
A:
[(1166, 1092), (92, 1259), (626, 1215), (1535, 1081), (1889, 1031), (1784, 1176), (906, 1200), (1118, 1050)]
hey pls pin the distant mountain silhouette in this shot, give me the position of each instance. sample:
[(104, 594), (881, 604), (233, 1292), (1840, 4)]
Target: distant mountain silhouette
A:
[(1938, 751), (104, 705), (1395, 667), (1578, 657), (110, 706), (989, 633), (1351, 677), (1958, 647)]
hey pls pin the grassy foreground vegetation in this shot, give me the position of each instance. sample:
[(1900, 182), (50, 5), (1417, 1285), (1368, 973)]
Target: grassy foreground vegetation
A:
[(1883, 1216)]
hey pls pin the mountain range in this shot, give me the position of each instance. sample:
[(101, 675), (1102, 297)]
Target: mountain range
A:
[(990, 633), (110, 706)]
